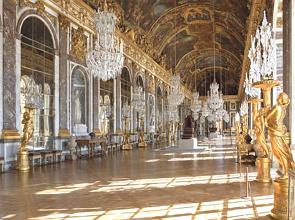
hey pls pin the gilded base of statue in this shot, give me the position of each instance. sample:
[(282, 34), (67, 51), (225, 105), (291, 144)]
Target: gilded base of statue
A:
[(126, 147), (142, 145), (280, 210), (263, 170), (23, 161)]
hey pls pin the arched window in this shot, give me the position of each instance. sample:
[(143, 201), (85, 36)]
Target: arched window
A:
[(37, 66), (79, 102), (106, 106)]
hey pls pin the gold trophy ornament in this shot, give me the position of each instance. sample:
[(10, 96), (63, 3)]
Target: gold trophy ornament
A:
[(279, 136)]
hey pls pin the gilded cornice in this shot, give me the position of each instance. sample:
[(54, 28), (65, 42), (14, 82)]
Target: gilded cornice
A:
[(254, 19), (80, 13)]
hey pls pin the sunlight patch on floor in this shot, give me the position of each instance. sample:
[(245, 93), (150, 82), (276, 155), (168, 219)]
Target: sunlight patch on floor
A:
[(231, 209), (114, 186), (65, 189)]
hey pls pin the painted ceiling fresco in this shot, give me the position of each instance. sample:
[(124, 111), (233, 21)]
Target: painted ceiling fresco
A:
[(193, 35)]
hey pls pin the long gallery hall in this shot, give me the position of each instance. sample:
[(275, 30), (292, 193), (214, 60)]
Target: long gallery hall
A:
[(147, 109)]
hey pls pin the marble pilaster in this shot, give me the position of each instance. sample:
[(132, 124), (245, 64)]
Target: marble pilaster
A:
[(64, 130), (96, 97), (10, 108), (11, 85), (90, 104), (1, 69), (118, 103), (289, 50), (114, 106)]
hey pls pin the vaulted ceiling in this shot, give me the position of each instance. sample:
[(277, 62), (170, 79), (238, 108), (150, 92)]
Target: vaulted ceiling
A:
[(198, 38)]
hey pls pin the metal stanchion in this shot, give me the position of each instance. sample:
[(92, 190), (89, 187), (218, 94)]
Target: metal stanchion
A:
[(248, 187), (247, 182)]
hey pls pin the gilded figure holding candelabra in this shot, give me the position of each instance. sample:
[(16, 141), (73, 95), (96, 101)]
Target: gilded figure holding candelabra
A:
[(278, 134)]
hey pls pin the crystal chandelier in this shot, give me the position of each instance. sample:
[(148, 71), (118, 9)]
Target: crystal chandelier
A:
[(213, 108), (215, 100), (175, 96), (106, 60), (262, 55), (196, 103), (173, 113), (244, 108)]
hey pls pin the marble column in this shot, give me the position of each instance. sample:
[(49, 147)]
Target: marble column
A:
[(11, 85), (10, 108), (64, 130), (1, 76)]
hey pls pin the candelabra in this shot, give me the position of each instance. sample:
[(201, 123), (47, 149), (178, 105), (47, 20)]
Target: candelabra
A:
[(262, 63)]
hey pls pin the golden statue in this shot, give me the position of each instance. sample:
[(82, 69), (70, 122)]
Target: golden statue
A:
[(278, 134), (259, 128), (28, 129)]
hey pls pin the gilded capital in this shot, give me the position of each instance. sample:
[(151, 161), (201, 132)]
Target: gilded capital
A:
[(64, 22)]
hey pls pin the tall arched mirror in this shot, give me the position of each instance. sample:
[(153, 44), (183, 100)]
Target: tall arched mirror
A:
[(37, 69)]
